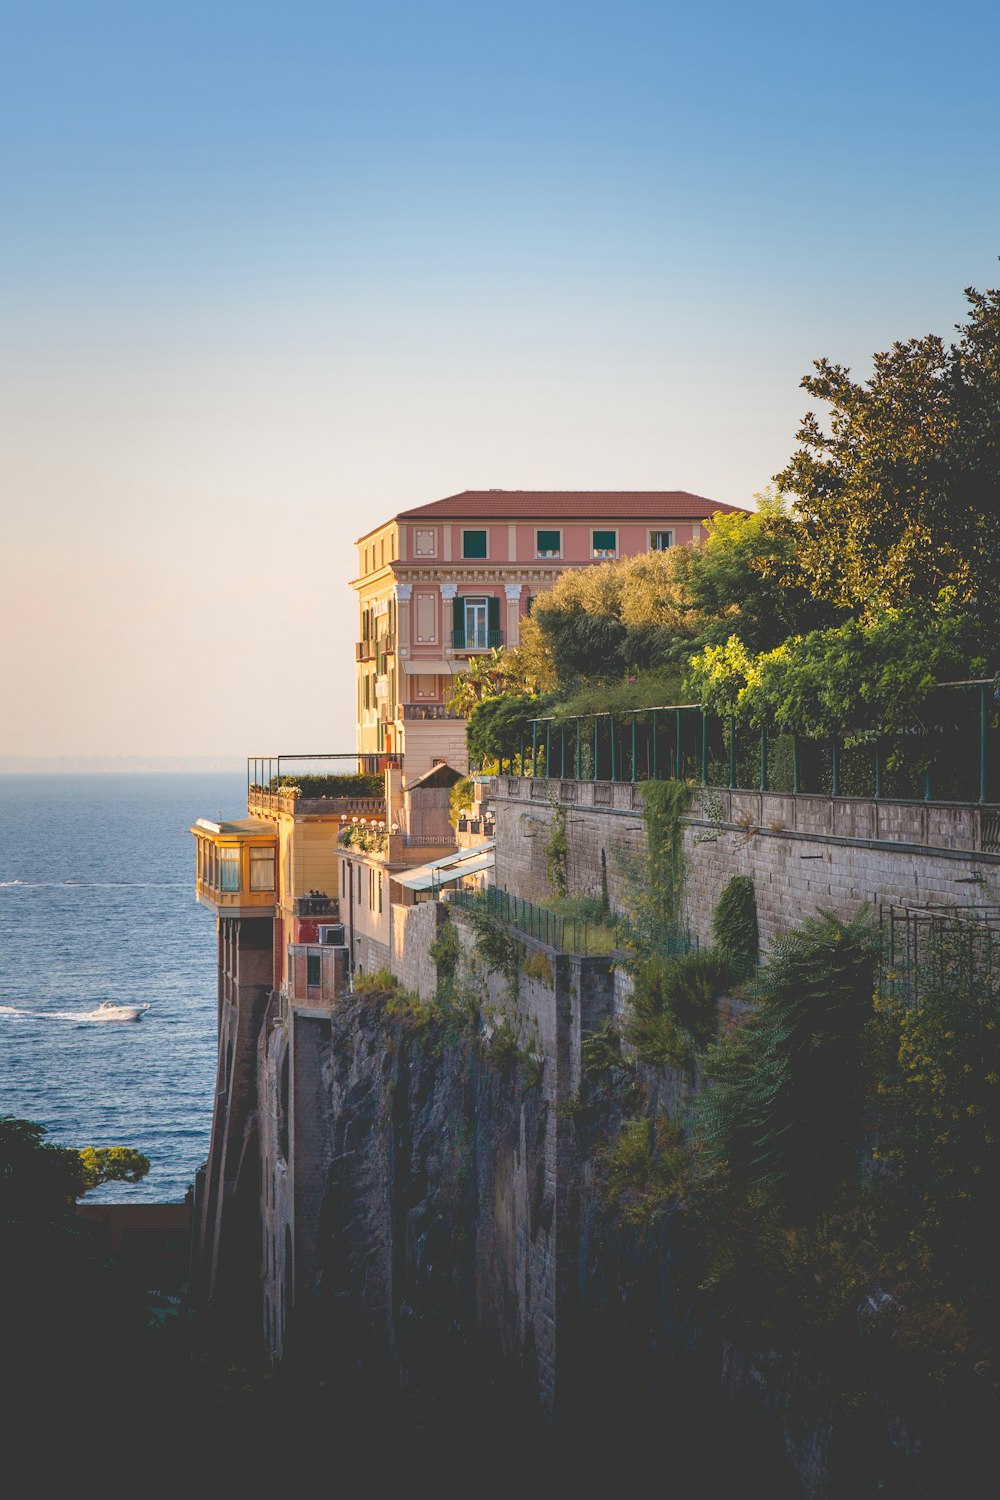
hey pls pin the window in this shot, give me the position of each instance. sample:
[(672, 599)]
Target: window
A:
[(476, 623), (313, 976), (659, 541), (548, 543), (605, 543), (262, 869), (229, 869), (474, 544)]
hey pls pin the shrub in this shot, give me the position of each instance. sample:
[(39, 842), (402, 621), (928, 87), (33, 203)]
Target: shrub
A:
[(734, 925), (673, 1014)]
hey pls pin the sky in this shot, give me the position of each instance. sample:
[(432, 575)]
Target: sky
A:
[(270, 273)]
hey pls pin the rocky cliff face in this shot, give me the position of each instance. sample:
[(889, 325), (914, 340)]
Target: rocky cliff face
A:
[(465, 1307)]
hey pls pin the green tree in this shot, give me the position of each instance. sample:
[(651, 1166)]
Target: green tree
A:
[(111, 1164), (897, 496)]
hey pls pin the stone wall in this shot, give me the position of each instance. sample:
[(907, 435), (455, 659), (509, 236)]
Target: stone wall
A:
[(804, 853)]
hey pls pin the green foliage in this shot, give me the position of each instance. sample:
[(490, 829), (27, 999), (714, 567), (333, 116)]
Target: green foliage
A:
[(363, 784), (855, 678), (496, 726), (637, 689), (495, 945), (781, 1111), (498, 673), (743, 581), (460, 799), (111, 1164), (446, 950), (37, 1179), (897, 499), (673, 1016), (368, 837), (654, 883), (938, 1058), (536, 965), (375, 982), (644, 1171), (557, 851), (734, 925)]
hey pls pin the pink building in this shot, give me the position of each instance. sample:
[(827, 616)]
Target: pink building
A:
[(443, 582)]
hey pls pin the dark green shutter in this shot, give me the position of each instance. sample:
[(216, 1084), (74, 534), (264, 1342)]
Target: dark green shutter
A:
[(458, 619), (493, 613), (604, 541), (473, 543)]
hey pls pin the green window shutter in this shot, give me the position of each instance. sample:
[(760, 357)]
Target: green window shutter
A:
[(604, 541), (458, 614), (546, 541), (493, 613), (473, 543)]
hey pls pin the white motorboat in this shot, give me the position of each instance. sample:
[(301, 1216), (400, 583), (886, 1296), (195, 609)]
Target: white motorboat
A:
[(108, 1011)]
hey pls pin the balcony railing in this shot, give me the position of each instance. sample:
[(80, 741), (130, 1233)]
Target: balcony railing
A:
[(476, 640), (428, 711), (364, 650)]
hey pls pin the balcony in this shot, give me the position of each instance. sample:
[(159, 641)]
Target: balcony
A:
[(364, 650), (236, 867), (418, 711), (317, 904), (476, 640)]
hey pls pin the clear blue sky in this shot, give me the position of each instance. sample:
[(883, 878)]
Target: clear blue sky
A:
[(273, 272)]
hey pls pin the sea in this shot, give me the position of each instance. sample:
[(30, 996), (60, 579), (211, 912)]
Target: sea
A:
[(97, 903)]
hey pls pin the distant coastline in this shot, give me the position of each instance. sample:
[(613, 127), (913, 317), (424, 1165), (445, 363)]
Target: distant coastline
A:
[(54, 764)]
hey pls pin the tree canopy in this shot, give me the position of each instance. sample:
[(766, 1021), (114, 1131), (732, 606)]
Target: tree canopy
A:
[(897, 497)]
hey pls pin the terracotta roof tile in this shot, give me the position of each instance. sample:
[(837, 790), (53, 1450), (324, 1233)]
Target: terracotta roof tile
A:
[(641, 505)]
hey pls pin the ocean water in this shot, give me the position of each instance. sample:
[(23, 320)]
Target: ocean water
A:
[(97, 904)]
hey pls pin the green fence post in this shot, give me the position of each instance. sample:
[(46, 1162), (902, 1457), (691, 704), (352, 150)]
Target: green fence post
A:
[(577, 722), (982, 743), (655, 769), (704, 748), (611, 721), (596, 773), (763, 760), (834, 767), (795, 763), (633, 777), (732, 751), (677, 748), (878, 767), (534, 747)]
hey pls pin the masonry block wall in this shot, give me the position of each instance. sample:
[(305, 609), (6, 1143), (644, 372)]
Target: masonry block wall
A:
[(805, 854)]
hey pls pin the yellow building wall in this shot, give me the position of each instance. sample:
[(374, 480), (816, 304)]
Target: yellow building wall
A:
[(307, 856)]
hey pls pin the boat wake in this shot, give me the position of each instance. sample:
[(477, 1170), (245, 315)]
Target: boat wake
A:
[(106, 1011)]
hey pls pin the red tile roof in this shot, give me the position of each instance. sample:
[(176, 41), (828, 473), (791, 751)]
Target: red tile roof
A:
[(639, 505)]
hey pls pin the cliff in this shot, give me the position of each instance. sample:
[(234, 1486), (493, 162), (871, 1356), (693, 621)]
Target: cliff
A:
[(457, 1305)]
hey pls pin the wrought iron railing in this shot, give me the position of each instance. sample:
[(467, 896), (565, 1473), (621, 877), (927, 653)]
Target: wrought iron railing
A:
[(476, 640), (566, 934)]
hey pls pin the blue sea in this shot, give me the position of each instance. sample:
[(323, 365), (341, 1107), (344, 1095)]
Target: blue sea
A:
[(97, 904)]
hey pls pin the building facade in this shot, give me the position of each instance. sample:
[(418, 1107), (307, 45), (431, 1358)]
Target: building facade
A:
[(444, 582)]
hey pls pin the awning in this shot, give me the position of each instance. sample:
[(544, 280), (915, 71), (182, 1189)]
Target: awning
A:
[(427, 666), (450, 867), (426, 879)]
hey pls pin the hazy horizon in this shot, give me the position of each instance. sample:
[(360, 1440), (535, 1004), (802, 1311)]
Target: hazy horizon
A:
[(273, 274)]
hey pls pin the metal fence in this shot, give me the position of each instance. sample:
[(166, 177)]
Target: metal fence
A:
[(953, 755), (934, 946), (566, 934)]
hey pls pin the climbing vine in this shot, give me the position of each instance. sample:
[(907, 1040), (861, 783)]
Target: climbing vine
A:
[(557, 851)]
